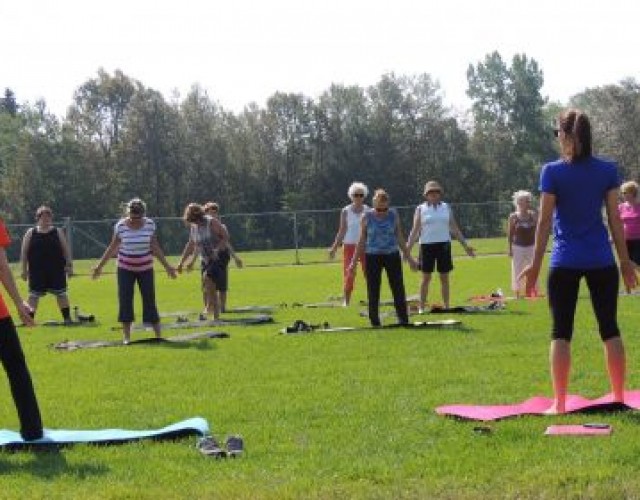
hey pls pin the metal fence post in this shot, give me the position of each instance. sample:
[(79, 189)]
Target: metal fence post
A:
[(68, 230), (295, 236)]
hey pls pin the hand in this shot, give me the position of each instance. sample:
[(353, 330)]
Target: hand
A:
[(96, 272), (24, 275), (471, 252), (190, 266), (530, 277), (413, 264), (239, 263), (25, 311), (332, 253), (628, 270), (171, 271)]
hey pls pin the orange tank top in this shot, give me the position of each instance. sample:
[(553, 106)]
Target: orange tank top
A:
[(5, 241)]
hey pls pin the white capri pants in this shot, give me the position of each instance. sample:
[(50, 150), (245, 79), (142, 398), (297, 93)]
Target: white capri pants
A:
[(522, 257)]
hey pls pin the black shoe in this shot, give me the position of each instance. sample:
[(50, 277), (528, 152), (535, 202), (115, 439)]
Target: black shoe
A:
[(210, 447), (235, 446)]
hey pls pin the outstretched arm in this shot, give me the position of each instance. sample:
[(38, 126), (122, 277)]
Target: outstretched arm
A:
[(627, 267), (342, 230), (108, 253), (156, 249)]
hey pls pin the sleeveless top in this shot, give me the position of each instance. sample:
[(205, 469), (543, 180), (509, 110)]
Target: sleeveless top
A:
[(134, 253), (204, 238), (525, 230), (352, 235), (434, 221), (381, 233), (45, 249), (630, 216)]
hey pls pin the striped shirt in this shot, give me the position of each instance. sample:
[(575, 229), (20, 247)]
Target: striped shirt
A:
[(134, 253)]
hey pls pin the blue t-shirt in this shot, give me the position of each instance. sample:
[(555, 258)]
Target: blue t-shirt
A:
[(580, 238), (381, 233)]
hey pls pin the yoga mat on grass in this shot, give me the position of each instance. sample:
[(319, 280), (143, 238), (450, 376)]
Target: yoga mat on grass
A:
[(538, 405), (250, 320), (297, 328), (72, 345), (196, 426)]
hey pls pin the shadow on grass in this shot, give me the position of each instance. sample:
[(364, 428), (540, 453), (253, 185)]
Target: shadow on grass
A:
[(47, 463)]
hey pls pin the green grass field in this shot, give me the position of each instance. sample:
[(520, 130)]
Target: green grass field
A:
[(331, 415)]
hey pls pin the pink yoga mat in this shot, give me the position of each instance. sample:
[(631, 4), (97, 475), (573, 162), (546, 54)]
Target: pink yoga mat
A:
[(577, 430), (538, 405)]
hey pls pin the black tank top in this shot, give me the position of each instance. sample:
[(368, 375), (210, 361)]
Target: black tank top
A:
[(45, 249)]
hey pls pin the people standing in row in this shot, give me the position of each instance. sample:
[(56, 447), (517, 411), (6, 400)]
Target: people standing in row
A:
[(348, 234), (46, 262), (381, 241), (11, 354), (573, 192), (521, 235), (207, 237), (135, 243), (629, 211), (433, 225)]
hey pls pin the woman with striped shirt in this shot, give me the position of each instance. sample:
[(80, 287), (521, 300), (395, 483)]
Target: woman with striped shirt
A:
[(135, 242)]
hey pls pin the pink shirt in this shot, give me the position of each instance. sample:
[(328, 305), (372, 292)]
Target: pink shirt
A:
[(630, 215)]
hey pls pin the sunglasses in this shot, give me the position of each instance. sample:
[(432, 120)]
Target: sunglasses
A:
[(382, 209), (44, 212), (358, 195)]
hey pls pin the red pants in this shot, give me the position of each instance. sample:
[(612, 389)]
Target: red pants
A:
[(348, 250)]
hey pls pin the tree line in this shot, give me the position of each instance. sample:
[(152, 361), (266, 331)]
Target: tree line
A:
[(121, 139)]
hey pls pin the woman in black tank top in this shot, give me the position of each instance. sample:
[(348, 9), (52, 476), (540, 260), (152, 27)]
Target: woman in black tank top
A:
[(46, 262)]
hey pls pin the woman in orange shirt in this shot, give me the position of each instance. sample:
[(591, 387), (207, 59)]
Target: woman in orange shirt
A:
[(11, 353)]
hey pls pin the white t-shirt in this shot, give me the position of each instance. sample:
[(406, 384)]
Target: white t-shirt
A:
[(352, 235), (434, 221)]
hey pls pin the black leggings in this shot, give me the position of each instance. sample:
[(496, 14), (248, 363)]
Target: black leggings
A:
[(373, 272), (126, 284), (24, 396), (563, 287)]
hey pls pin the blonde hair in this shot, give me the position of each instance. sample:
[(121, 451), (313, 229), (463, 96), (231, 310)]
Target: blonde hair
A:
[(522, 194), (381, 195), (630, 186), (357, 186)]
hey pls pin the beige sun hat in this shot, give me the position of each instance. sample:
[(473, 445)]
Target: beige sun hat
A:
[(432, 186)]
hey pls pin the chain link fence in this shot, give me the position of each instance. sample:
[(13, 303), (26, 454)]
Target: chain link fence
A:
[(295, 230)]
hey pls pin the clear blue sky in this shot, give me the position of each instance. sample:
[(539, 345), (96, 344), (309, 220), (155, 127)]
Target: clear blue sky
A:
[(245, 50)]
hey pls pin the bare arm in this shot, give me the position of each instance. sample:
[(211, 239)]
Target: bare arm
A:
[(402, 243), (24, 250), (66, 252), (627, 268), (342, 230), (455, 230), (10, 285), (108, 253), (188, 250), (223, 236), (156, 250), (511, 231), (415, 230)]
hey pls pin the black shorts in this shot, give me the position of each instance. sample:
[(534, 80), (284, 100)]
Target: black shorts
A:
[(436, 255), (48, 279), (563, 286), (218, 270)]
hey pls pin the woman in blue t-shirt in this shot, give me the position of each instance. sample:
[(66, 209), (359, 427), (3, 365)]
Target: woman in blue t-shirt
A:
[(573, 191), (381, 240)]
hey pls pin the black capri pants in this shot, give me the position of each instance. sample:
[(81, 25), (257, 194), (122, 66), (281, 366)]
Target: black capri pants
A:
[(563, 286), (126, 284)]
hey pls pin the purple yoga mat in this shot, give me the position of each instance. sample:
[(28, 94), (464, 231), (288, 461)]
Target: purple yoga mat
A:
[(538, 405)]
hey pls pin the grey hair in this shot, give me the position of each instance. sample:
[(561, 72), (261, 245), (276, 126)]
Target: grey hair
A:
[(518, 195), (358, 186)]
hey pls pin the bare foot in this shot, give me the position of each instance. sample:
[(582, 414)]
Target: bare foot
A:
[(555, 409)]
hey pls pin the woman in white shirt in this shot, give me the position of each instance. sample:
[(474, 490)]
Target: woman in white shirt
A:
[(433, 224), (348, 235)]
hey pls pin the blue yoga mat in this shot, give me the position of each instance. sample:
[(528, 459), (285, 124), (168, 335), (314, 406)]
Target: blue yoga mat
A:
[(193, 426)]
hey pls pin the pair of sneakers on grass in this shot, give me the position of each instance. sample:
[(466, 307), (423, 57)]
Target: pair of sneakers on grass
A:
[(233, 447)]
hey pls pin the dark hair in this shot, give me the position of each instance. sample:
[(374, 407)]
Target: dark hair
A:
[(41, 209), (576, 127), (193, 213)]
